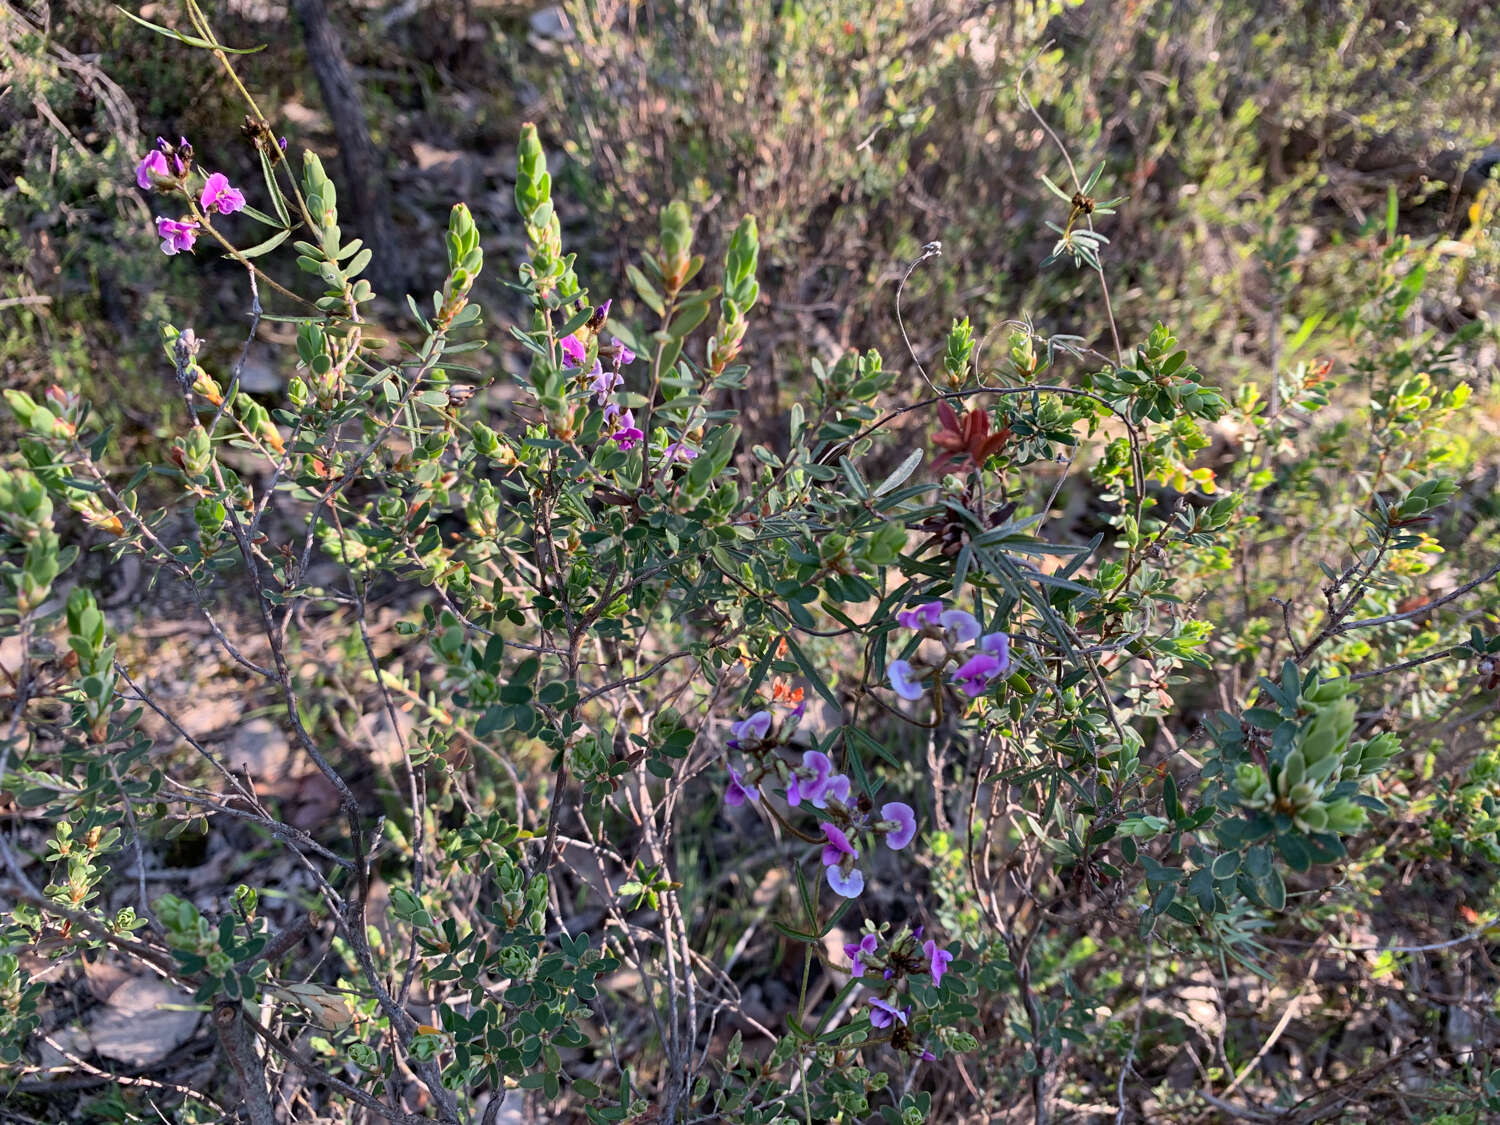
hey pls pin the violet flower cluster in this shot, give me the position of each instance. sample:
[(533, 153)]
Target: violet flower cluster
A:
[(166, 169), (843, 818), (881, 967), (604, 381), (955, 630)]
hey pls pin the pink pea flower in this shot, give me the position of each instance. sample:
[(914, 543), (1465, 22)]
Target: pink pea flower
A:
[(938, 959), (975, 674), (627, 436), (899, 823), (959, 627), (219, 196), (862, 948), (176, 235), (810, 783), (739, 790), (152, 168), (883, 1013), (164, 165), (903, 681), (921, 616)]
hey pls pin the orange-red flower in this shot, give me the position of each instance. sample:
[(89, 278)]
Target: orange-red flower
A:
[(967, 435)]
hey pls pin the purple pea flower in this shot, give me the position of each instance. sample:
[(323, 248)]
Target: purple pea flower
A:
[(838, 857), (862, 948), (219, 196), (998, 646), (937, 958), (754, 729), (903, 681), (959, 626), (602, 383), (622, 353), (901, 822), (628, 435), (838, 847), (975, 674), (837, 788), (739, 790), (883, 1013), (678, 451), (811, 782), (921, 616), (849, 885), (176, 235)]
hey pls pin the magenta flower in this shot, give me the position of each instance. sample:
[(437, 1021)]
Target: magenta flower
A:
[(176, 235), (899, 823), (998, 646), (753, 729), (163, 166), (628, 435), (739, 790), (937, 958), (219, 196), (152, 168), (574, 353), (960, 627), (810, 783), (678, 451), (862, 948), (903, 680), (921, 616), (883, 1013), (975, 674)]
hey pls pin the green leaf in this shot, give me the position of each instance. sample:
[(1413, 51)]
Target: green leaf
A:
[(267, 246), (190, 40), (901, 472), (646, 290)]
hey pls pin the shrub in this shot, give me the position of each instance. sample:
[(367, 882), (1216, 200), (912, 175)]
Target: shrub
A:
[(622, 722)]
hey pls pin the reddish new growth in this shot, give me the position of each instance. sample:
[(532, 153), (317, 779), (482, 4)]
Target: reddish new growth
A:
[(967, 435)]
